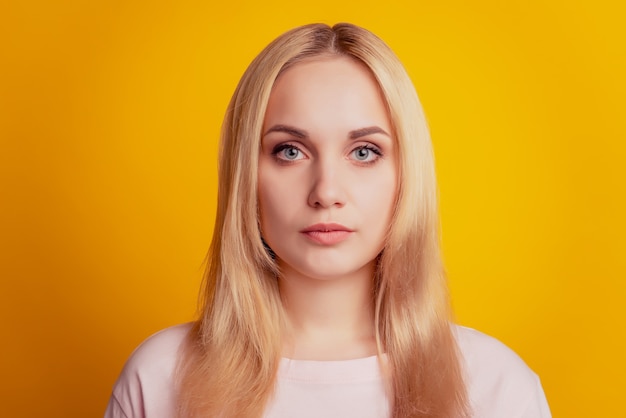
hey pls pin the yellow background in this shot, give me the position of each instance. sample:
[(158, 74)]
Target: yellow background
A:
[(109, 115)]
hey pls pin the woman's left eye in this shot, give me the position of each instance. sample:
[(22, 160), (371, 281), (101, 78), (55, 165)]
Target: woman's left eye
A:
[(366, 154)]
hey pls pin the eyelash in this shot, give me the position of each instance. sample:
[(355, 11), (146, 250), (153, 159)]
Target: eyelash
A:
[(282, 147)]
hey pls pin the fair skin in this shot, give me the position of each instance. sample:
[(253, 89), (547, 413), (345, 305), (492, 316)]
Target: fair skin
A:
[(327, 187)]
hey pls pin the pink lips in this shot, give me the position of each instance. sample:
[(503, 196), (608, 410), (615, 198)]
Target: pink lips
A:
[(327, 233)]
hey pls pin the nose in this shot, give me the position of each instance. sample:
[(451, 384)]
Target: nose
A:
[(327, 188)]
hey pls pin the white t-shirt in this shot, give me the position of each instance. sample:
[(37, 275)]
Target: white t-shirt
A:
[(499, 383)]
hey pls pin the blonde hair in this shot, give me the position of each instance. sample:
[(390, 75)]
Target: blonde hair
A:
[(230, 362)]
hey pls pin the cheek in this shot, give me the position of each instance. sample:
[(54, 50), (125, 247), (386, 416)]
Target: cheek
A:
[(266, 205), (381, 208), (379, 195), (276, 201)]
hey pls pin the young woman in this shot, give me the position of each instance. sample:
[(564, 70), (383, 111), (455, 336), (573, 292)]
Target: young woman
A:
[(325, 294)]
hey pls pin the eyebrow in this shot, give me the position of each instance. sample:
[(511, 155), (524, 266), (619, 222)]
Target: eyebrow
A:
[(298, 133), (358, 133), (302, 134)]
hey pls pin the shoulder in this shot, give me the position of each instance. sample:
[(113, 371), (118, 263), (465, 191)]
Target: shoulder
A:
[(159, 352), (499, 382), (145, 387), (481, 351)]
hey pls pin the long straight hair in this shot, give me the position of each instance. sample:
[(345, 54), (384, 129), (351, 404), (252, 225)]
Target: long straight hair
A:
[(229, 365)]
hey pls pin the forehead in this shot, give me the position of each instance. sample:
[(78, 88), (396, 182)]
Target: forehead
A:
[(327, 90)]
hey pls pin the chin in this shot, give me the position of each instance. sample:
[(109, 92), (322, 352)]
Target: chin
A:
[(331, 270)]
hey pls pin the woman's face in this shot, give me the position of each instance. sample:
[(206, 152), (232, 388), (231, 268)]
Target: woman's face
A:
[(327, 169)]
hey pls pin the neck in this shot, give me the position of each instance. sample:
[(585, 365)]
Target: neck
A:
[(329, 318)]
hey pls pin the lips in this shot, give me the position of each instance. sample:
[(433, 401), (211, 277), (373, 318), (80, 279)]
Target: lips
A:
[(327, 233)]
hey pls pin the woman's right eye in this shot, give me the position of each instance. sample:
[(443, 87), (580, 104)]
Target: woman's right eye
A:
[(287, 152)]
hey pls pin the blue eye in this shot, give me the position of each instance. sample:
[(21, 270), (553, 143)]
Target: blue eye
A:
[(361, 154), (291, 153), (366, 154), (287, 152)]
